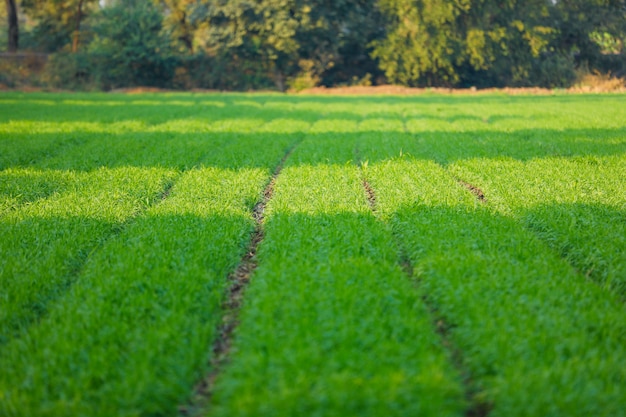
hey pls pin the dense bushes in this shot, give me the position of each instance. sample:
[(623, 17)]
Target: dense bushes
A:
[(89, 71), (280, 44)]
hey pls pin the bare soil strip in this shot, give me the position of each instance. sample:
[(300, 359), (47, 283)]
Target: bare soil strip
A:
[(371, 197), (239, 280), (369, 191), (614, 87), (474, 190), (476, 407)]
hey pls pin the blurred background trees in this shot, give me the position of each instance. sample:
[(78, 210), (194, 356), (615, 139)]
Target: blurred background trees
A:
[(282, 44)]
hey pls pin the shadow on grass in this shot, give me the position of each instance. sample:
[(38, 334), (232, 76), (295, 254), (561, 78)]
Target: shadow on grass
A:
[(87, 131), (592, 237), (41, 258), (245, 149), (149, 107), (133, 330), (526, 324), (145, 290), (137, 337)]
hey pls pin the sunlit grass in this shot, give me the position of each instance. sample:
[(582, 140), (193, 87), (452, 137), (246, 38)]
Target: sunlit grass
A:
[(44, 243), (121, 217), (534, 335), (577, 205), (133, 330), (331, 326)]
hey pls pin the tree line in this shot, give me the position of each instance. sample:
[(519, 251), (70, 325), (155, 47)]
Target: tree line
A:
[(251, 44)]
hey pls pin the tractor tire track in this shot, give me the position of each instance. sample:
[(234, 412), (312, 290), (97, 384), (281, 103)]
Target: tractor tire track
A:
[(480, 196), (239, 280), (476, 407)]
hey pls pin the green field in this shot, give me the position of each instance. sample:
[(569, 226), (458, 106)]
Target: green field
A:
[(274, 255)]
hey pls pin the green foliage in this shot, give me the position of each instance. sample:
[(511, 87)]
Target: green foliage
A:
[(57, 20), (422, 43), (300, 43), (493, 42), (579, 21), (554, 71), (220, 72), (130, 47), (280, 35), (181, 19), (74, 71), (335, 37)]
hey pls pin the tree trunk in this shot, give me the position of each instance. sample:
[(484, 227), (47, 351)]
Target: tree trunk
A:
[(14, 32), (186, 36), (79, 16), (279, 80)]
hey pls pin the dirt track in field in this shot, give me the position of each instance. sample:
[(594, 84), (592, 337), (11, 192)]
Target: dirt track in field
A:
[(612, 87), (239, 280), (476, 407)]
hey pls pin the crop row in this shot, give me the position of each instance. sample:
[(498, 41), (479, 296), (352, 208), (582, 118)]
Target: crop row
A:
[(132, 331), (331, 326), (530, 335), (575, 205), (44, 243), (568, 187), (114, 269), (537, 338), (121, 219)]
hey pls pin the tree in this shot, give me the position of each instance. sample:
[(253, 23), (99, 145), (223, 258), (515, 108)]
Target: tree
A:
[(263, 32), (465, 42), (14, 33), (288, 37), (423, 42), (59, 21), (181, 20), (577, 21), (334, 37), (505, 41), (76, 32), (130, 47)]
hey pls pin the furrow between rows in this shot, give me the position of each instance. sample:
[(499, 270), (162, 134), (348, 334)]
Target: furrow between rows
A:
[(149, 301), (474, 190), (239, 280), (534, 336), (476, 407), (321, 332), (541, 235), (70, 242), (480, 196), (132, 330), (573, 206)]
